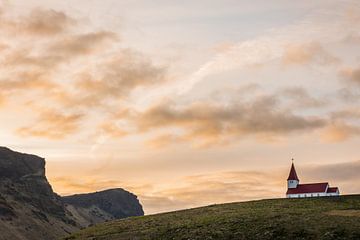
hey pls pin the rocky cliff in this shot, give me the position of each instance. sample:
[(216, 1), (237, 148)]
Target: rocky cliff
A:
[(29, 209), (102, 206)]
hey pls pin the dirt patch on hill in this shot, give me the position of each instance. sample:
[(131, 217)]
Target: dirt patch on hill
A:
[(346, 213)]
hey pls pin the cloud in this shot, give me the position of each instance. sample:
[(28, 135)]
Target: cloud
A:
[(346, 171), (52, 124), (49, 55), (343, 175), (82, 44), (46, 22), (352, 38), (293, 43), (110, 129), (3, 47), (2, 100), (24, 58), (39, 22), (68, 185), (348, 95), (118, 76), (165, 140), (25, 81), (66, 49), (212, 123), (299, 97), (351, 75), (226, 187), (307, 53), (338, 131), (343, 125)]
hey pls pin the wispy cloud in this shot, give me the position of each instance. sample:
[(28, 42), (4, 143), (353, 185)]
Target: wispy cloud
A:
[(296, 43), (52, 124)]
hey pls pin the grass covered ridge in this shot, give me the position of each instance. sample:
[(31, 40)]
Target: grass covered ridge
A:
[(310, 218)]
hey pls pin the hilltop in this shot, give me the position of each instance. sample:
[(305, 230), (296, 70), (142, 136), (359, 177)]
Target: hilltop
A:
[(311, 218), (90, 208)]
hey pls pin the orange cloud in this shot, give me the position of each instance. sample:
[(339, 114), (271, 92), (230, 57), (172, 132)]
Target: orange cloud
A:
[(27, 80), (2, 100), (46, 22), (38, 22), (340, 131), (307, 53), (165, 140), (112, 130), (53, 125), (67, 69), (351, 74)]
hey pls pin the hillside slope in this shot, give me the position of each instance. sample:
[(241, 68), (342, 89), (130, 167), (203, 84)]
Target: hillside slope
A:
[(91, 208), (316, 218)]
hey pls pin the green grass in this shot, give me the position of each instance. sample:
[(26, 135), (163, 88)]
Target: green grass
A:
[(315, 218)]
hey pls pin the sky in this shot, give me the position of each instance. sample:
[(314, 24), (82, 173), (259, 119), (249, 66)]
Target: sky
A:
[(184, 103)]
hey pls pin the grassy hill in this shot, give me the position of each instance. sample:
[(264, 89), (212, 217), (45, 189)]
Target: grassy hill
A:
[(311, 218)]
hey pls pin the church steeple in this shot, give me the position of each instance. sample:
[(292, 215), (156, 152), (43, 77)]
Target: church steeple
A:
[(293, 175), (293, 179)]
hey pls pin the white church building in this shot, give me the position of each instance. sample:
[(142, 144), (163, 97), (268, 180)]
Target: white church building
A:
[(296, 190)]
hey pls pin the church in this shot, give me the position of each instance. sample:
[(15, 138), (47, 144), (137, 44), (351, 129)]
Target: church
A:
[(296, 190)]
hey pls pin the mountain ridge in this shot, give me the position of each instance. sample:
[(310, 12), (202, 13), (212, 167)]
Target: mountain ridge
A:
[(95, 207)]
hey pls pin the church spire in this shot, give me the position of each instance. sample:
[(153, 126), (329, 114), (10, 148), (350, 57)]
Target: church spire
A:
[(292, 174)]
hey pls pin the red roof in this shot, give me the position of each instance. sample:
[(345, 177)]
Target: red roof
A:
[(308, 188), (293, 175), (332, 190)]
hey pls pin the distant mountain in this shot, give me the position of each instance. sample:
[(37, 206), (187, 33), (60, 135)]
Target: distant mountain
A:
[(323, 218), (29, 209), (102, 206)]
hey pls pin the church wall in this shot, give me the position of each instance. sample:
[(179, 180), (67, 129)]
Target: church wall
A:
[(306, 195)]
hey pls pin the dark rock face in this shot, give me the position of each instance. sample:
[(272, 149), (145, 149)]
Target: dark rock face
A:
[(106, 205), (29, 209), (17, 166), (23, 177)]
